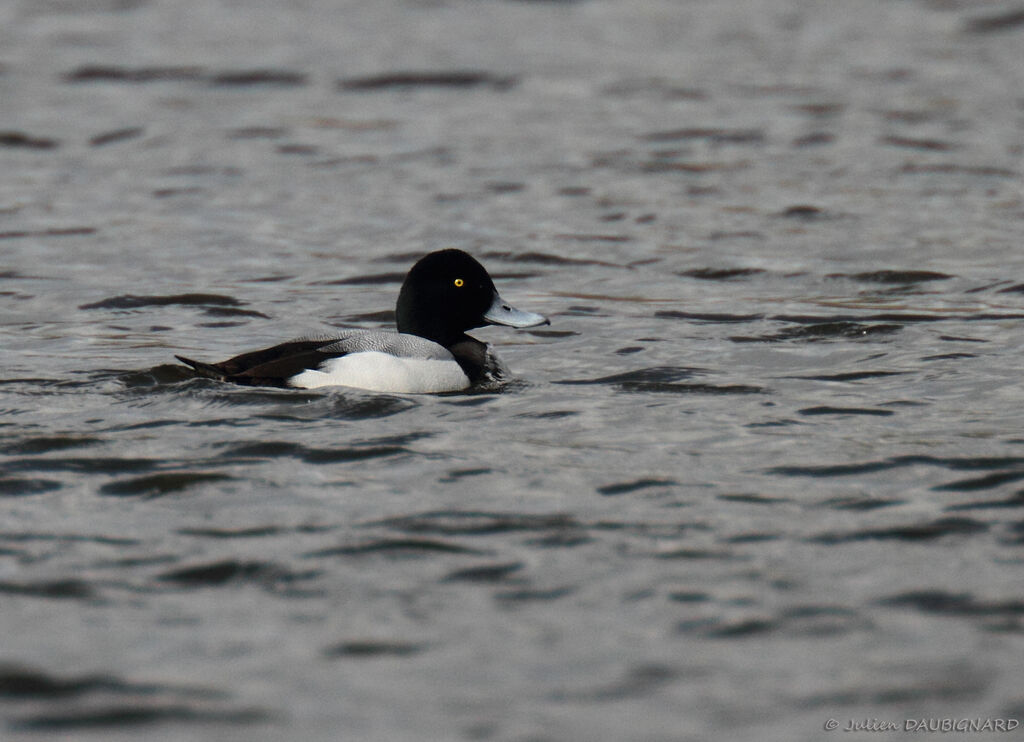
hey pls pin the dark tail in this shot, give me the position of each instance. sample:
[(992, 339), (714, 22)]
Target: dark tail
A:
[(204, 369)]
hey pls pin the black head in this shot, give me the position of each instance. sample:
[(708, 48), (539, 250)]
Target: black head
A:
[(448, 292)]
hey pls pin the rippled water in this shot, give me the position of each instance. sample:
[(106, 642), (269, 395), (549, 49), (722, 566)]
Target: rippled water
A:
[(762, 471)]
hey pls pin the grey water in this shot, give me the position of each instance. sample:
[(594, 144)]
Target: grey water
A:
[(762, 474)]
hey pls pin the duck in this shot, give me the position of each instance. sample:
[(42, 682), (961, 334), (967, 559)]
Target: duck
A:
[(446, 293)]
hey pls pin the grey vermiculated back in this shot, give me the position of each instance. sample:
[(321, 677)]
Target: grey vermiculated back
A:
[(393, 343)]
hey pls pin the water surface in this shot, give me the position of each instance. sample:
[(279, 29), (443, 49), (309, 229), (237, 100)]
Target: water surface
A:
[(763, 469)]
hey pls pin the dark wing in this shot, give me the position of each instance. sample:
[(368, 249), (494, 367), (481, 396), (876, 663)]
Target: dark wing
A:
[(271, 366)]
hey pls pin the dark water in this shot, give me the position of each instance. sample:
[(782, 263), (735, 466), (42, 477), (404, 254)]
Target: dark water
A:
[(764, 469)]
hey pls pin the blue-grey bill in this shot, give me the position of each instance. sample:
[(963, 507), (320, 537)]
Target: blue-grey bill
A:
[(503, 313)]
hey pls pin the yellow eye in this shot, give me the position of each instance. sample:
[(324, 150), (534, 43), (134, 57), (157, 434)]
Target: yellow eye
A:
[(459, 282)]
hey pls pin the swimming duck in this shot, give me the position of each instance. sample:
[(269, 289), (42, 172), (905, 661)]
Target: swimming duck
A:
[(445, 294)]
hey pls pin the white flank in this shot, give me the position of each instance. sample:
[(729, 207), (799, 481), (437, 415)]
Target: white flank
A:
[(382, 372)]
